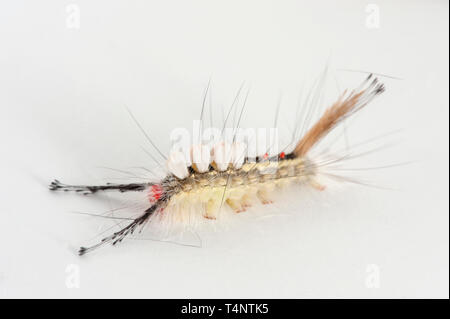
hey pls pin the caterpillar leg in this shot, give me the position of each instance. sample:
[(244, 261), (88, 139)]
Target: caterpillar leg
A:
[(211, 207), (264, 196), (86, 189), (314, 183), (246, 201), (235, 205)]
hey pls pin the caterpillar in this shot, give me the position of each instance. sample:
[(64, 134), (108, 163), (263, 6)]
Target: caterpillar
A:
[(222, 175)]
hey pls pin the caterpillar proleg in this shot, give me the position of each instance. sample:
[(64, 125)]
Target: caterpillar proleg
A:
[(222, 175)]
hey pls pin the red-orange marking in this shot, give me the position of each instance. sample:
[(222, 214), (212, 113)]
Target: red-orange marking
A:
[(154, 193)]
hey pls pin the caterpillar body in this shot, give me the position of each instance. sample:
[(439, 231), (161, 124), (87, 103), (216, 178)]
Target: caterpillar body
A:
[(223, 176)]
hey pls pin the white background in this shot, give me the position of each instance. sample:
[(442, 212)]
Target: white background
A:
[(63, 92)]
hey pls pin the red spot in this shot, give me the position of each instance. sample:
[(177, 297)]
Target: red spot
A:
[(154, 193), (266, 156), (282, 155)]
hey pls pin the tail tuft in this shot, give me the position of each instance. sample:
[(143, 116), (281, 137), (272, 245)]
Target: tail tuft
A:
[(344, 107)]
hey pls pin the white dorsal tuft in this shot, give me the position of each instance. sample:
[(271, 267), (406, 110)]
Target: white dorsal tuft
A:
[(176, 164), (222, 155), (238, 151), (200, 157)]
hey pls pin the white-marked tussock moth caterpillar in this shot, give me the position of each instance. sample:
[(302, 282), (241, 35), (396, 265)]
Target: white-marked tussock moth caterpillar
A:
[(222, 175)]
